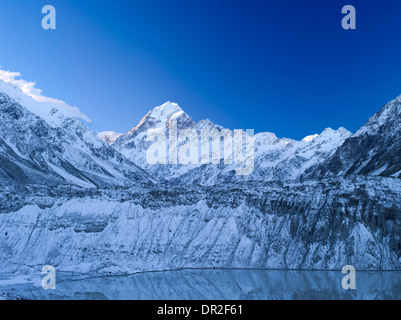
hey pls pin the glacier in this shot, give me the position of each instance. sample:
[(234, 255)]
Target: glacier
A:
[(308, 225)]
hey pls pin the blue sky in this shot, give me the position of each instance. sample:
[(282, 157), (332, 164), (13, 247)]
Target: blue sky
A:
[(270, 65)]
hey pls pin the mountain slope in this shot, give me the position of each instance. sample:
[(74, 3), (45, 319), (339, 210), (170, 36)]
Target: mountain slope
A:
[(56, 148), (134, 144), (109, 136), (375, 149)]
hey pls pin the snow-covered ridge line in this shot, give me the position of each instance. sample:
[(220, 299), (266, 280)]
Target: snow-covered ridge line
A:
[(375, 149), (55, 149), (27, 94), (275, 158), (109, 136)]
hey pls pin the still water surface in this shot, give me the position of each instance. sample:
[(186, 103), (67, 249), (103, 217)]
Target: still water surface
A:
[(221, 284)]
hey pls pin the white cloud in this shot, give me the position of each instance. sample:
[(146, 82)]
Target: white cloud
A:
[(29, 89)]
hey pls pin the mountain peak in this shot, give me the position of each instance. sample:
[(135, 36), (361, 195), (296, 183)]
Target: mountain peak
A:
[(329, 132), (165, 111), (389, 115), (109, 136), (310, 138), (207, 124), (161, 116)]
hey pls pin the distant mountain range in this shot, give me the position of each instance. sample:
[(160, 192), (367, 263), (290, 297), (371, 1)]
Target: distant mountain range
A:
[(92, 203), (372, 150)]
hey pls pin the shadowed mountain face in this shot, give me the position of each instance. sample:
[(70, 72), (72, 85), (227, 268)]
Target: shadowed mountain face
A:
[(375, 149), (32, 151)]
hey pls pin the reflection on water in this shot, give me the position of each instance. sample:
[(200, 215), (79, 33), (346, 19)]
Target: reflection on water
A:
[(222, 284)]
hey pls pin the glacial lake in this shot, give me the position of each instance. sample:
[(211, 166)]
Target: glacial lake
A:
[(215, 284)]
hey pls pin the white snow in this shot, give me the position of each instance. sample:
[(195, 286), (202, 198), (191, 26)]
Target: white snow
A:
[(109, 136), (21, 91), (310, 138)]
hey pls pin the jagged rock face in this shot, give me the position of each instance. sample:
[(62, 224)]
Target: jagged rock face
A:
[(375, 149), (323, 225), (33, 151)]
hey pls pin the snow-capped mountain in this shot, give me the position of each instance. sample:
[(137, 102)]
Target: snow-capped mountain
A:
[(134, 144), (42, 145), (375, 149), (275, 158), (109, 136), (70, 200)]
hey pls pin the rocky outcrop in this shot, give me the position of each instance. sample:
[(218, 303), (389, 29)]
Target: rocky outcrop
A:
[(375, 149)]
